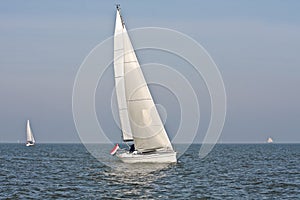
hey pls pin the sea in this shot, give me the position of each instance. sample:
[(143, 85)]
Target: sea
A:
[(70, 171)]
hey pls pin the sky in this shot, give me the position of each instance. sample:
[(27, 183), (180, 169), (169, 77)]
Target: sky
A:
[(255, 45)]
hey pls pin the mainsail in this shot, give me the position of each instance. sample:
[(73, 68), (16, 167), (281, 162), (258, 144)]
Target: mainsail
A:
[(30, 137), (119, 78), (138, 114)]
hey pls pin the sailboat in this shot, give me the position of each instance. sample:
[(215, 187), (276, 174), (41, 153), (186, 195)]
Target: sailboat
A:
[(30, 139), (140, 122), (270, 140)]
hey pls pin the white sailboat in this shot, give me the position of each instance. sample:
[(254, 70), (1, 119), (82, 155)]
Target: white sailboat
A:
[(139, 119), (30, 139), (270, 140)]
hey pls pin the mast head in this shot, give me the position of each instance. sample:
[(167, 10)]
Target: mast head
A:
[(118, 7)]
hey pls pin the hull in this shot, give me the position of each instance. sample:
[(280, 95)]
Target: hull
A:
[(29, 144), (155, 157)]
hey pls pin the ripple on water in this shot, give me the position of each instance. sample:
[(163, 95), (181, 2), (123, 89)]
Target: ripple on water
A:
[(229, 171)]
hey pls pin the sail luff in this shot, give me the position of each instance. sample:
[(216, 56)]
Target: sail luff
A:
[(119, 78)]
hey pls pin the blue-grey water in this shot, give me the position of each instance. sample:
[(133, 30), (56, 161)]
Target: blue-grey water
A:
[(230, 171)]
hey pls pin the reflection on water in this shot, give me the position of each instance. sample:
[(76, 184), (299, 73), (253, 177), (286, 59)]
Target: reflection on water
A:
[(139, 168)]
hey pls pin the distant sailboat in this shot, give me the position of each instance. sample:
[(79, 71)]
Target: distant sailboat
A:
[(144, 126), (270, 140), (30, 139)]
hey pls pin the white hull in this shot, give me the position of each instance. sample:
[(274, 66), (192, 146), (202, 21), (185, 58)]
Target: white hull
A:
[(29, 144), (155, 157)]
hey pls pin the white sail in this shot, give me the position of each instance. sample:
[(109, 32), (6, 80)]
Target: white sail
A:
[(270, 140), (30, 137), (146, 126), (119, 79)]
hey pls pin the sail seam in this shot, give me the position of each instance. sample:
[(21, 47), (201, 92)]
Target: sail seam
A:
[(146, 99)]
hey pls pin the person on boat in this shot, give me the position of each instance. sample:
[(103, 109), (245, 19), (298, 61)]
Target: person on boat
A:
[(132, 148)]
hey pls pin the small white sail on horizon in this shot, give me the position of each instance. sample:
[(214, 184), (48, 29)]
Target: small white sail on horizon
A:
[(270, 140), (30, 141), (139, 118)]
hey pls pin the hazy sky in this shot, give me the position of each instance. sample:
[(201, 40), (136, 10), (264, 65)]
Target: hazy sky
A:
[(255, 44)]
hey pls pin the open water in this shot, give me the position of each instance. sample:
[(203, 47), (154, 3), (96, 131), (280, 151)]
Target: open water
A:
[(230, 171)]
